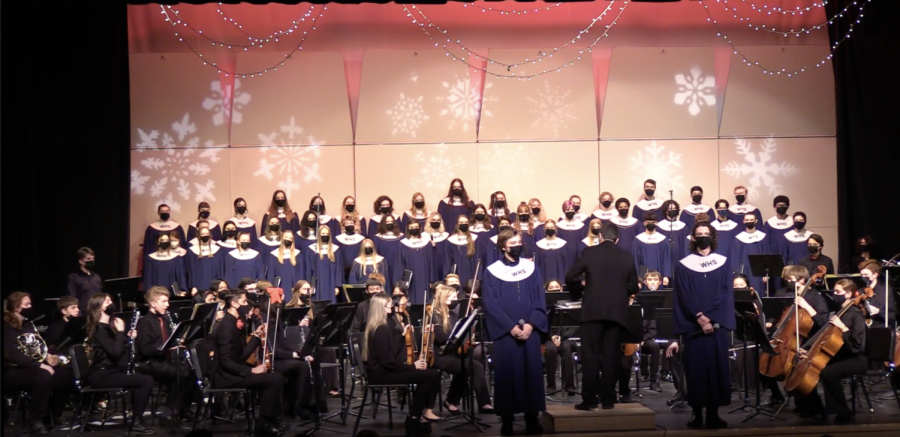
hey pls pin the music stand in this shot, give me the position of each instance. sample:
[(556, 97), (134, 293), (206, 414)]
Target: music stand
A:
[(336, 320), (128, 287), (355, 293), (293, 316), (73, 330), (751, 328), (764, 265), (175, 340), (310, 348), (551, 299), (459, 334), (650, 301), (206, 313)]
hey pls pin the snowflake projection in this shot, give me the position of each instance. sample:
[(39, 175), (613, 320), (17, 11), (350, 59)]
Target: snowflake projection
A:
[(408, 115), (552, 109), (510, 165), (176, 172), (763, 171), (463, 104), (653, 162), (695, 90), (434, 170), (290, 163), (223, 106)]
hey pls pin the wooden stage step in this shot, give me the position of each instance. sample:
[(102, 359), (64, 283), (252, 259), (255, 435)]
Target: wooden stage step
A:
[(625, 417)]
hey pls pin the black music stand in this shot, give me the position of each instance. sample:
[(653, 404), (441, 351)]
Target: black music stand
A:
[(765, 265), (336, 320), (127, 288), (72, 332), (751, 328), (355, 293), (181, 332), (461, 331), (293, 316), (206, 314), (310, 348), (551, 299)]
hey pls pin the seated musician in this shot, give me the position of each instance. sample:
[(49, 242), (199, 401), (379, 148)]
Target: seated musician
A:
[(301, 297), (652, 281), (384, 353), (452, 279), (559, 346), (849, 360), (649, 347), (232, 370), (56, 333), (373, 287), (813, 302), (298, 371), (673, 357)]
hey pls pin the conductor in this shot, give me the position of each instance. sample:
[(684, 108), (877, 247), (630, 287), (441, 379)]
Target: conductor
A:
[(609, 279)]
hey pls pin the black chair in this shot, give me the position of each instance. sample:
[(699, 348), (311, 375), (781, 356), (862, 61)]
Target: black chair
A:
[(357, 362), (81, 369), (202, 363)]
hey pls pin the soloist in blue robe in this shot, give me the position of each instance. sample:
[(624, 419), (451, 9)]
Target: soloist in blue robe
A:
[(286, 225), (775, 229), (644, 206), (628, 229), (703, 284), (552, 258), (652, 252), (243, 264), (417, 256), (797, 243), (163, 269), (388, 246), (689, 214), (360, 269), (744, 245), (349, 245), (725, 232), (152, 233), (202, 269), (289, 272), (376, 220), (514, 292), (451, 209), (329, 274), (215, 231), (247, 225), (736, 213), (679, 232), (457, 253)]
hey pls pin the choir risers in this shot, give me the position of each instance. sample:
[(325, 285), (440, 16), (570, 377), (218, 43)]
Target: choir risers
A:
[(624, 418)]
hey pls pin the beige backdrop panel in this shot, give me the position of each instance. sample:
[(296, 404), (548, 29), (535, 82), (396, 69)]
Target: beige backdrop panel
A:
[(180, 178), (413, 96), (400, 170), (830, 235), (758, 104), (304, 102), (176, 101), (661, 92), (548, 171), (801, 168), (550, 107)]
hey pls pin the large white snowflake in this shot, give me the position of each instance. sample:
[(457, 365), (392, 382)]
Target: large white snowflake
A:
[(552, 108), (695, 90), (287, 161), (408, 115), (435, 170), (176, 172), (512, 166), (762, 169), (463, 103), (223, 106), (654, 163)]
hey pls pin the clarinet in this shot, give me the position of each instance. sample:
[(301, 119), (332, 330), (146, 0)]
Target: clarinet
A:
[(136, 315), (187, 354)]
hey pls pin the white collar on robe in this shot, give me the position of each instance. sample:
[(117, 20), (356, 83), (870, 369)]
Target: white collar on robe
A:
[(515, 273), (494, 239), (425, 214), (270, 243), (324, 249), (742, 209), (523, 227), (212, 223), (460, 240), (547, 244), (455, 201), (704, 264), (246, 255), (727, 225), (654, 238), (588, 241), (389, 237), (245, 222), (748, 238), (437, 238), (279, 212), (180, 251), (417, 243), (696, 209), (570, 226), (196, 249), (311, 237), (668, 226), (648, 205), (324, 219), (377, 218), (798, 237), (194, 241), (499, 213), (606, 215), (349, 240), (477, 228), (581, 216), (287, 254), (623, 222), (230, 244), (159, 256), (369, 261), (166, 226), (776, 223)]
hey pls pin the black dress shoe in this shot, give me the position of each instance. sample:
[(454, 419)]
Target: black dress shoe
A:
[(584, 406), (654, 385), (533, 425), (696, 422), (608, 406), (715, 422), (625, 399), (485, 410)]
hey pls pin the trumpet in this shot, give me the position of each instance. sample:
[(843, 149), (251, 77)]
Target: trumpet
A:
[(32, 345)]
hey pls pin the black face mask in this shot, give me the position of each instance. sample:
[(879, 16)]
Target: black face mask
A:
[(454, 286), (499, 204), (535, 211), (349, 208), (514, 251), (245, 245), (415, 232), (110, 310), (385, 209), (523, 218), (570, 215), (280, 203), (550, 232), (419, 205), (349, 229), (457, 191), (576, 207), (389, 226), (651, 227), (840, 299), (697, 198), (479, 217), (703, 242), (90, 264), (799, 225), (325, 238), (311, 223), (812, 249), (750, 225), (740, 198), (230, 233), (243, 311), (165, 245), (722, 212), (164, 216), (204, 238), (649, 191), (28, 313), (781, 209), (862, 248), (288, 243), (369, 250), (204, 214), (672, 213), (274, 228), (503, 228), (595, 231), (606, 203), (463, 227), (241, 209), (623, 213), (435, 225)]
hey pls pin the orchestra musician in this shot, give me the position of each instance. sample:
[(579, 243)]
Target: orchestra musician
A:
[(56, 332), (559, 346), (373, 287), (649, 346), (870, 271), (298, 370), (301, 297)]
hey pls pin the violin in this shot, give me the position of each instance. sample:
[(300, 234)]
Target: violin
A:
[(427, 351), (266, 351), (403, 315), (794, 323), (476, 286), (825, 344)]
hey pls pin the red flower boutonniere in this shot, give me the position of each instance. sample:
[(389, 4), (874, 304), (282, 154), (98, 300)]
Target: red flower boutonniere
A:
[(240, 324)]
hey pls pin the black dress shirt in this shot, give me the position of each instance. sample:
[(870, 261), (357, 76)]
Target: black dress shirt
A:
[(82, 286)]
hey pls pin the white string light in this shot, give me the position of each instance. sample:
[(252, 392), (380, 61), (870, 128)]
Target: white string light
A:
[(508, 12), (254, 42), (779, 10), (784, 71), (569, 63), (509, 67), (271, 37), (175, 22), (792, 31)]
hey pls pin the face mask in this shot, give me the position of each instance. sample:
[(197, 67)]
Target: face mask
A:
[(623, 213), (164, 216), (230, 233), (349, 229), (750, 225), (204, 214), (503, 228), (90, 264), (245, 245), (781, 209), (651, 227), (274, 228), (241, 209), (243, 311), (349, 208), (435, 225), (454, 286), (799, 225), (369, 250), (415, 232), (550, 232), (595, 231), (204, 238), (325, 238), (740, 198), (311, 223), (463, 227), (288, 244), (479, 217), (419, 205), (535, 211), (281, 202), (649, 191), (457, 191), (499, 204), (840, 299), (697, 198), (722, 212), (606, 203), (389, 226), (672, 213), (165, 245), (110, 310), (514, 251), (28, 313), (703, 242), (385, 209), (570, 215), (453, 304), (812, 249), (554, 290), (862, 247), (576, 207), (523, 218)]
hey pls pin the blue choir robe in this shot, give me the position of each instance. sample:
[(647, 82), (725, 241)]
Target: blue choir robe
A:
[(579, 216), (420, 216), (451, 209), (480, 230), (628, 229), (286, 225), (775, 229), (690, 212), (329, 221), (350, 245), (604, 216), (736, 213), (203, 269), (329, 274), (491, 250), (247, 225), (571, 230), (376, 220), (280, 266), (584, 243), (164, 269), (703, 284), (652, 252), (228, 245), (215, 231), (528, 240), (152, 233), (797, 243), (514, 292), (644, 206), (388, 246), (552, 258), (266, 244), (361, 268), (679, 232), (497, 214), (457, 253), (725, 232), (363, 223), (243, 264), (417, 256), (744, 245), (439, 253)]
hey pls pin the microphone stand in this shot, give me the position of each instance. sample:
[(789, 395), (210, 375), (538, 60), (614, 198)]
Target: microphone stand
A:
[(315, 278)]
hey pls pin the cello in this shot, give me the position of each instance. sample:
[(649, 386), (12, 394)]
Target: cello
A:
[(793, 324)]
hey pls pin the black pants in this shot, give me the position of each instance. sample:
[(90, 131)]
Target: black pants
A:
[(566, 350), (181, 384), (651, 349), (600, 340), (427, 382), (451, 364), (141, 386), (270, 387), (39, 383), (677, 372), (299, 386), (831, 378)]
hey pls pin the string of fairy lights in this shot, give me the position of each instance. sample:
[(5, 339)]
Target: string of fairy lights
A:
[(799, 10), (508, 12), (771, 29), (258, 42), (784, 71)]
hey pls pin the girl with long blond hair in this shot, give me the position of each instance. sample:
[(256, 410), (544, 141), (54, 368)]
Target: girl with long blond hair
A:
[(367, 261), (349, 238), (417, 211), (456, 204), (286, 262), (463, 249), (348, 208), (322, 263), (387, 240)]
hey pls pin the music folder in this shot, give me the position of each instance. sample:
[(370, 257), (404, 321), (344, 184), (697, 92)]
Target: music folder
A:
[(180, 331)]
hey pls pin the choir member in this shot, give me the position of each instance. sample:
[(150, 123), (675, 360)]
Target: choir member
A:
[(387, 239), (576, 204), (271, 238), (814, 256), (651, 249), (107, 337), (778, 225), (350, 239), (438, 237), (570, 228), (243, 262), (384, 354), (525, 225), (592, 237), (367, 261), (629, 227), (84, 282), (675, 229), (348, 208), (514, 305), (491, 251), (751, 241), (499, 207), (417, 211), (199, 224), (737, 211), (606, 211), (23, 372), (203, 211), (648, 203), (229, 236), (726, 228), (417, 256), (703, 314), (323, 264), (307, 226), (538, 215), (242, 222), (164, 267), (797, 239), (863, 251), (285, 261), (204, 262), (871, 273), (280, 209), (552, 254), (163, 226), (456, 204), (480, 223), (689, 213), (384, 206), (177, 247), (317, 205), (560, 346), (463, 250)]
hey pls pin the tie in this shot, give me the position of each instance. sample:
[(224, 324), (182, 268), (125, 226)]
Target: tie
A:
[(162, 329)]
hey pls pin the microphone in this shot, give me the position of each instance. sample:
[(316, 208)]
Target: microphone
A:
[(700, 332), (521, 324)]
